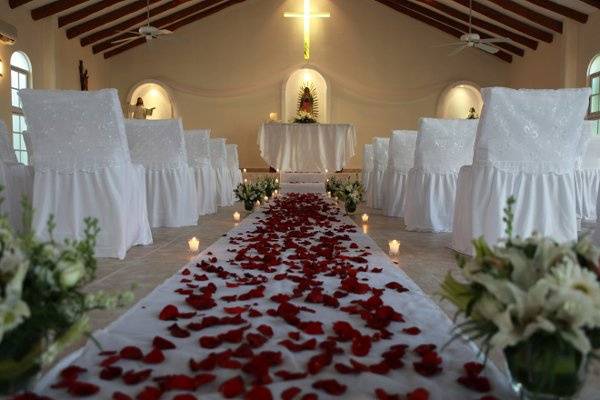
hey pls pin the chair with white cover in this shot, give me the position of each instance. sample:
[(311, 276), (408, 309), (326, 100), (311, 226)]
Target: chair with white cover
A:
[(443, 146), (197, 143), (218, 159), (587, 174), (233, 163), (159, 146), (367, 166), (526, 147), (380, 155), (16, 180), (83, 169), (401, 157)]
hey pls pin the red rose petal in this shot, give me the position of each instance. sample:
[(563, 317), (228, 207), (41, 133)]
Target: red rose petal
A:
[(330, 386), (232, 387)]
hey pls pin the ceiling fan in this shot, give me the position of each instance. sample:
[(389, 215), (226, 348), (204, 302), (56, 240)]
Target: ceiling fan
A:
[(471, 39), (147, 31)]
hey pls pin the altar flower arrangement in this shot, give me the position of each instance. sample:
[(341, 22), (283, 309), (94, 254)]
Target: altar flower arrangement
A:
[(304, 117), (349, 191), (43, 307), (539, 302), (268, 185)]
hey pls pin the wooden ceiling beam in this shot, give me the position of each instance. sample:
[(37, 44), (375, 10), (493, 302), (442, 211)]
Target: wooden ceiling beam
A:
[(498, 30), (54, 7), (85, 12), (560, 9), (17, 3), (457, 25), (504, 56), (593, 3), (135, 21), (531, 15), (508, 20), (177, 23), (107, 18)]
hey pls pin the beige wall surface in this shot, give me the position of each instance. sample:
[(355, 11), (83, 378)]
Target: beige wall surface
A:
[(226, 71), (54, 59)]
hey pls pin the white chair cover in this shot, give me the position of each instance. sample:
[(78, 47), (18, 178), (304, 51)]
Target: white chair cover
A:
[(233, 163), (218, 159), (28, 146), (159, 146), (443, 146), (526, 147), (83, 169), (587, 174), (197, 143), (401, 157), (367, 167), (380, 160)]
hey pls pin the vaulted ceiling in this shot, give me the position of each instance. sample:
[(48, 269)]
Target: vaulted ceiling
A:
[(101, 23)]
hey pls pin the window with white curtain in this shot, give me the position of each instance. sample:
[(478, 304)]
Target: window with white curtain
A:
[(20, 78), (594, 80)]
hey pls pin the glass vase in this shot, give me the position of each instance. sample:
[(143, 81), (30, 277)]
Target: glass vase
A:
[(350, 206), (545, 367), (248, 205)]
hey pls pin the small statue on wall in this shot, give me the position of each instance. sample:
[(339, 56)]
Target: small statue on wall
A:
[(83, 76), (472, 114), (138, 111)]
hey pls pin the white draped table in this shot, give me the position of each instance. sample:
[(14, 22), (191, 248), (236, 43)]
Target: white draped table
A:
[(307, 147)]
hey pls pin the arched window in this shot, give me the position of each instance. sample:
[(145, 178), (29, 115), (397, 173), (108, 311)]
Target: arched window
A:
[(594, 79), (20, 78), (156, 96), (460, 100)]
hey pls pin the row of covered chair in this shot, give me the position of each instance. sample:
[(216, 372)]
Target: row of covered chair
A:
[(88, 161), (533, 145)]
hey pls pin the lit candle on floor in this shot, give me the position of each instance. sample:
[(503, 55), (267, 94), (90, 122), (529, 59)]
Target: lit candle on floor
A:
[(329, 194), (276, 180), (257, 204), (245, 180), (394, 248), (365, 218), (194, 244), (236, 216), (244, 170), (275, 192), (326, 170), (365, 229), (265, 199)]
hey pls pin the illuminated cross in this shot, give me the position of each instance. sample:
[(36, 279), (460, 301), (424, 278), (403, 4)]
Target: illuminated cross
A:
[(307, 15)]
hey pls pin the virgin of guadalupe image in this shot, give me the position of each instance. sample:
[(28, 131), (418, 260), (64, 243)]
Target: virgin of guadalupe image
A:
[(306, 101)]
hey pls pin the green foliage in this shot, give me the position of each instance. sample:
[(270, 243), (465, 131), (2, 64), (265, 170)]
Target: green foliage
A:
[(250, 192), (346, 190)]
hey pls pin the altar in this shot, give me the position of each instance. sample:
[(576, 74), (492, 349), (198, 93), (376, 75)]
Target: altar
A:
[(307, 147)]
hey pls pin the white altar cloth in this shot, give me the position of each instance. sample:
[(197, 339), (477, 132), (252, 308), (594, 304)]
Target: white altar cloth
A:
[(307, 147)]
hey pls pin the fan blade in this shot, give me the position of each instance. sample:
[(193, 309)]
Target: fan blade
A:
[(449, 44), (495, 40), (455, 52), (123, 40), (129, 32), (164, 32), (487, 48)]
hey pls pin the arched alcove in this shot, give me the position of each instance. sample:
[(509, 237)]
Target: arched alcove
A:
[(155, 94), (291, 88), (457, 99)]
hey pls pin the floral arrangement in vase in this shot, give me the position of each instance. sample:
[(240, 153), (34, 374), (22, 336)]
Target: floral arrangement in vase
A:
[(349, 191), (43, 306), (536, 300), (250, 192)]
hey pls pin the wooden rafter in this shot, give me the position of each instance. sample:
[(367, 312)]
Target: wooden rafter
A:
[(508, 20), (594, 3), (136, 20), (402, 6), (178, 23), (108, 17), (17, 3), (498, 30), (106, 44), (85, 12), (54, 8), (459, 26), (531, 15), (560, 9)]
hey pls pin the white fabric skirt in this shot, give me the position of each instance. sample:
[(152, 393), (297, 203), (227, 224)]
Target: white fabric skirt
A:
[(206, 186), (587, 182), (429, 204), (172, 197), (545, 203), (366, 174), (115, 196), (375, 196), (224, 187), (19, 183), (236, 177), (394, 192)]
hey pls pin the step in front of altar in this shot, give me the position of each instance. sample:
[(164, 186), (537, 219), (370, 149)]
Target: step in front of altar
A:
[(302, 187), (302, 177)]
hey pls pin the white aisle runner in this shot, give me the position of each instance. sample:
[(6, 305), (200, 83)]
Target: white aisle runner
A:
[(275, 283)]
